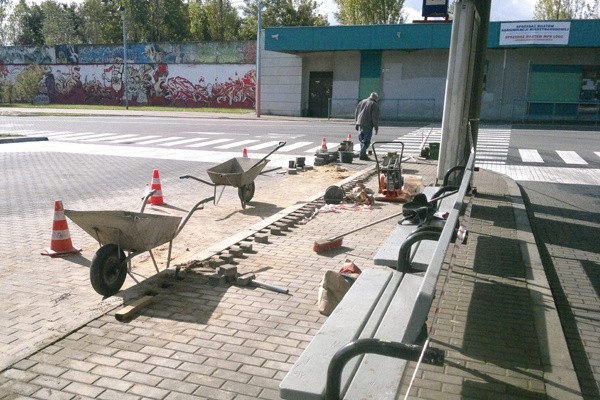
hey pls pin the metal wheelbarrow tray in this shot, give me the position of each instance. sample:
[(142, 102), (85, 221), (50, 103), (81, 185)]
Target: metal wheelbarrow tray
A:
[(118, 232), (238, 172)]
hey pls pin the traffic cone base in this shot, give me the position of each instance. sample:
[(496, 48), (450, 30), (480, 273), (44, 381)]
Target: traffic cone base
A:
[(60, 243), (157, 198)]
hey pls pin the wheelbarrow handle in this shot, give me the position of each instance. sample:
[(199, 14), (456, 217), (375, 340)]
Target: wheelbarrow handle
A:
[(280, 145), (198, 205)]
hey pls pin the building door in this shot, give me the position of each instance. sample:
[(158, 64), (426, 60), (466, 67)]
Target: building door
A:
[(319, 92)]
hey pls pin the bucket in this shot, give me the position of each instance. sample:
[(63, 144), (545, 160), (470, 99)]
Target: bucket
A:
[(346, 157), (413, 184), (434, 151)]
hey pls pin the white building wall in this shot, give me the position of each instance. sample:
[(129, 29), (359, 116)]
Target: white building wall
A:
[(345, 66), (413, 83), (281, 84)]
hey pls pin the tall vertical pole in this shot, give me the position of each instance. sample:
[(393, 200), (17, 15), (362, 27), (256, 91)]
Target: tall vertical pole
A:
[(125, 78), (258, 59)]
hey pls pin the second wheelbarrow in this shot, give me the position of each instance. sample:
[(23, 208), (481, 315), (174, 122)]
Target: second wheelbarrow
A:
[(238, 172), (120, 232)]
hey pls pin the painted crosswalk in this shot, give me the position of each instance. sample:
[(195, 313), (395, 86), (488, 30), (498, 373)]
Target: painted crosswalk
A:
[(493, 145)]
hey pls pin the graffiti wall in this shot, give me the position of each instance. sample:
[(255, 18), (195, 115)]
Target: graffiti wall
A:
[(137, 53), (182, 75), (181, 85)]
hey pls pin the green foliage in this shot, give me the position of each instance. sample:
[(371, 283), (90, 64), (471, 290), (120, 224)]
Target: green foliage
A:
[(59, 25), (27, 83), (370, 12), (25, 24), (280, 13), (52, 22), (566, 9)]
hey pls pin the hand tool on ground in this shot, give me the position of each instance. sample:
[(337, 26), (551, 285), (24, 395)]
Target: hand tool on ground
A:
[(408, 213)]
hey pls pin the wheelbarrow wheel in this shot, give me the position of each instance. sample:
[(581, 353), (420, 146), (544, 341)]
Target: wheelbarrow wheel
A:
[(246, 192), (108, 270)]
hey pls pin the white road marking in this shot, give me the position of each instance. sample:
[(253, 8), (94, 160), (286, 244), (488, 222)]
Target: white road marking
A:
[(530, 155), (571, 157), (210, 142)]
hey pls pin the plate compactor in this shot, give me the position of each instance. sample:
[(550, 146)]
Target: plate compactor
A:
[(389, 171)]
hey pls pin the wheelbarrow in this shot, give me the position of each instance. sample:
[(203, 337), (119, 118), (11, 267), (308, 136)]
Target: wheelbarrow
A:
[(238, 172), (120, 232)]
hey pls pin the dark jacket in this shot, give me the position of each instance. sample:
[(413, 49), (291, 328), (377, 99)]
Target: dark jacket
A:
[(367, 113)]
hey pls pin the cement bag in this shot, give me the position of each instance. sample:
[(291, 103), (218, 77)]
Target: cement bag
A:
[(332, 289)]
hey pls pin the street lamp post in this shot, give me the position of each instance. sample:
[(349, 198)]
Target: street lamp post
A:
[(125, 79), (258, 60)]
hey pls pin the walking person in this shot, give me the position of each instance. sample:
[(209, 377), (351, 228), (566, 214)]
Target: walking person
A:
[(366, 120)]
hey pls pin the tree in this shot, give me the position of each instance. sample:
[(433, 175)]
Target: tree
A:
[(25, 25), (27, 83), (94, 20), (566, 9), (169, 21), (280, 13), (223, 22), (59, 24), (3, 14), (370, 12), (198, 22)]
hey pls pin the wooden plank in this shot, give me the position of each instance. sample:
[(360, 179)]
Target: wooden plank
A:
[(126, 312), (308, 376)]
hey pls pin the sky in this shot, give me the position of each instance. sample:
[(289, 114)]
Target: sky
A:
[(502, 10)]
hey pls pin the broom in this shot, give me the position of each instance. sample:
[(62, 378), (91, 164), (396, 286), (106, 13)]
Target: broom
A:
[(321, 246)]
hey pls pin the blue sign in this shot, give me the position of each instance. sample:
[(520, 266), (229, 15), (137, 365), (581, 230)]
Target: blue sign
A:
[(435, 8)]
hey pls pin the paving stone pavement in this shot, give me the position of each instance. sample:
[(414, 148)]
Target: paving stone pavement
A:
[(497, 323)]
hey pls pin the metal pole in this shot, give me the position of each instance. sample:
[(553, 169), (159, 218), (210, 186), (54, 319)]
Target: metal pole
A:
[(258, 61), (125, 78)]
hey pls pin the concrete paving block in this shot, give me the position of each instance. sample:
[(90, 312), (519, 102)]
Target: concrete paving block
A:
[(236, 251), (227, 270), (282, 226), (275, 230), (225, 256), (261, 238), (216, 279), (246, 247)]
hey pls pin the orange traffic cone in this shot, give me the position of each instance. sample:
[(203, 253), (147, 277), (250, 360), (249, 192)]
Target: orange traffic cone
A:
[(245, 152), (349, 138), (61, 238), (157, 198), (324, 146)]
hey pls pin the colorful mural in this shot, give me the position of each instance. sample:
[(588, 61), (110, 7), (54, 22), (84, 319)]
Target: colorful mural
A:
[(183, 75), (224, 86)]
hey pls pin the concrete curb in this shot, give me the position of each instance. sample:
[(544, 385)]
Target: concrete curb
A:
[(19, 139), (559, 372)]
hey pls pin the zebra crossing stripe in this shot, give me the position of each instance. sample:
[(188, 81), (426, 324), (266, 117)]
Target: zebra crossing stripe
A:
[(159, 140), (98, 139), (571, 157), (263, 145), (184, 141), (88, 136), (210, 142), (530, 155), (294, 146), (236, 144), (123, 138)]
